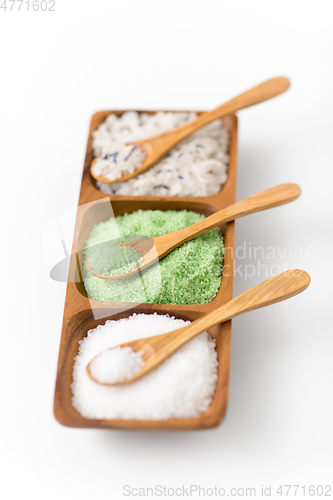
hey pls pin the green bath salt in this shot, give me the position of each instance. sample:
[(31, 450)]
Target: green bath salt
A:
[(190, 274), (107, 260)]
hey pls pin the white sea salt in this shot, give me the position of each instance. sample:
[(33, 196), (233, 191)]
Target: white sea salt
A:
[(123, 160), (183, 386), (115, 365), (197, 166)]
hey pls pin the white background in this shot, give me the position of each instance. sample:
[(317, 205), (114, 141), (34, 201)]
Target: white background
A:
[(57, 68)]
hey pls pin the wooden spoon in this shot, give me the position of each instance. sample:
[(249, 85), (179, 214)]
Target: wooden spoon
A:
[(157, 349), (157, 147), (154, 249)]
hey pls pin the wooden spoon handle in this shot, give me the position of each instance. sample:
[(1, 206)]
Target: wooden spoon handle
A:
[(273, 197), (260, 93), (271, 291)]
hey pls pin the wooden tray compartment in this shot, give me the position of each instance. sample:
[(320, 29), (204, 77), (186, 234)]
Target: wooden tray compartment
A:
[(78, 315)]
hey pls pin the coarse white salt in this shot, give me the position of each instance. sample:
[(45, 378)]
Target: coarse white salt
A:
[(124, 160), (115, 365), (182, 386), (197, 166)]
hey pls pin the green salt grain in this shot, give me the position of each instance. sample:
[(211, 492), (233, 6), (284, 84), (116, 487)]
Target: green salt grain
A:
[(108, 260), (190, 274)]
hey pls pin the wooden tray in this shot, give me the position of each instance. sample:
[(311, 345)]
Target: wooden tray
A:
[(78, 315)]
